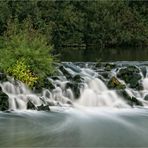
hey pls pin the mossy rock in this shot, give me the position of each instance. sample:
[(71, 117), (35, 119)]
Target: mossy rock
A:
[(109, 66), (131, 75), (114, 83)]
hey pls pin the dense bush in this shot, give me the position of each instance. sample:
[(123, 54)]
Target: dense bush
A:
[(21, 41)]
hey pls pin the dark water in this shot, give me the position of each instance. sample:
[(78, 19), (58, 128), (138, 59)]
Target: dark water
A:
[(74, 127), (113, 54)]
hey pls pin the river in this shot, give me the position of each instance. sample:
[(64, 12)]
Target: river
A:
[(99, 117)]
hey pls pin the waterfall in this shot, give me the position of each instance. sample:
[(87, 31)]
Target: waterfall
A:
[(97, 94), (83, 87)]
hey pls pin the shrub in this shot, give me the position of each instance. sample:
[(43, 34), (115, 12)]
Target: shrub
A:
[(21, 72), (22, 41)]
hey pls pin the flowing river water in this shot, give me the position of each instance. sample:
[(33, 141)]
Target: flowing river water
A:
[(98, 118)]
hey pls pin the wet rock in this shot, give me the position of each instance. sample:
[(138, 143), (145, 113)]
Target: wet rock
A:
[(77, 79), (65, 72), (4, 101), (146, 97), (48, 84), (98, 64), (31, 106), (43, 108), (131, 100), (105, 74), (75, 87), (114, 83), (109, 66), (43, 84), (131, 75)]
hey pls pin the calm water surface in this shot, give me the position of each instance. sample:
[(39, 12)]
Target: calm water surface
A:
[(113, 54)]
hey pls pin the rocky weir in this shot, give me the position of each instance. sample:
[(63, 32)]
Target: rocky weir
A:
[(116, 85)]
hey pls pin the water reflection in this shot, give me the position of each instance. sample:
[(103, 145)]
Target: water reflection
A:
[(113, 54)]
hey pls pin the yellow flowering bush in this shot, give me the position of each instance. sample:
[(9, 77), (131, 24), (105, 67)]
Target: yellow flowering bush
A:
[(20, 71)]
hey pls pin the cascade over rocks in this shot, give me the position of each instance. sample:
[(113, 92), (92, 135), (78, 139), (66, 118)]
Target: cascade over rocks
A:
[(111, 85)]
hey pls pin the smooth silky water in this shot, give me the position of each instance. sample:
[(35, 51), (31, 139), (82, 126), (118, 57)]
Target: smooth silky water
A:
[(98, 118)]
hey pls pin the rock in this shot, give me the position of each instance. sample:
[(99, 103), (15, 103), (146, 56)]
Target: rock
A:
[(4, 101), (65, 72), (109, 66), (131, 100), (31, 106), (105, 74), (146, 97), (131, 75), (77, 79), (43, 108), (98, 64), (75, 87), (115, 83), (48, 84), (43, 84)]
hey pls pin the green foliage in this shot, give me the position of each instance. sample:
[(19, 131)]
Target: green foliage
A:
[(105, 23), (21, 41), (20, 71)]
